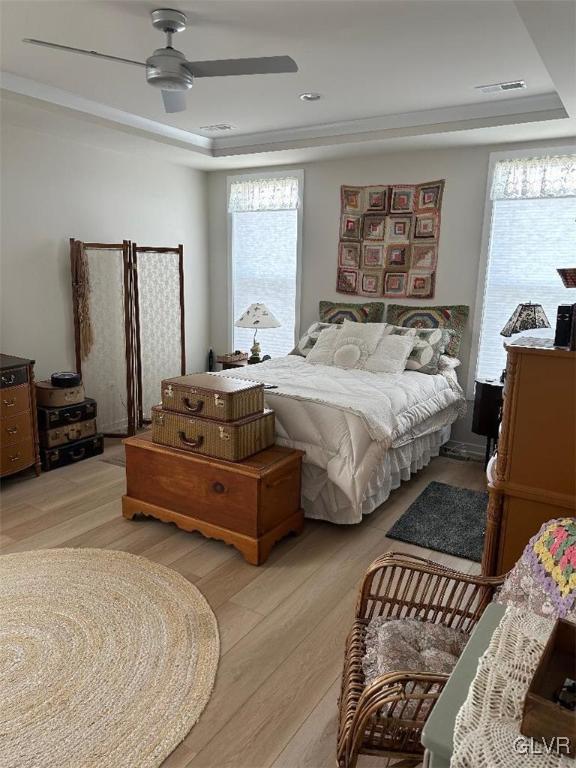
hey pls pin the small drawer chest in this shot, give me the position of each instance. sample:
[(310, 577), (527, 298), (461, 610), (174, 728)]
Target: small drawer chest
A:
[(18, 431), (250, 504)]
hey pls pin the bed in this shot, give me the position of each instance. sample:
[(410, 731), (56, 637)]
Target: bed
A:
[(363, 432)]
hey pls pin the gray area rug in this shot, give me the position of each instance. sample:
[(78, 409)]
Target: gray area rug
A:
[(446, 519)]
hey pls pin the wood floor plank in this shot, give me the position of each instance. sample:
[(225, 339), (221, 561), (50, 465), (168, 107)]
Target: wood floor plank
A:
[(234, 623), (58, 534), (312, 746), (268, 720), (256, 656), (273, 585)]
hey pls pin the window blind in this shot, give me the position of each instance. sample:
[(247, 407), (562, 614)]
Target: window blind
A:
[(264, 257), (533, 232)]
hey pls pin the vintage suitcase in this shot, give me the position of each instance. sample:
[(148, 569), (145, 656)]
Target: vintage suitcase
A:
[(68, 454), (232, 441), (50, 396), (52, 438), (59, 417), (213, 397)]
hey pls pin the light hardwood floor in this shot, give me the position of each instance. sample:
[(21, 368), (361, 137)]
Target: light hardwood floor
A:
[(282, 625)]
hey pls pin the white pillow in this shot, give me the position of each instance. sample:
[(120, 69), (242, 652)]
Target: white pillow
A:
[(446, 363), (391, 354), (355, 343), (323, 350)]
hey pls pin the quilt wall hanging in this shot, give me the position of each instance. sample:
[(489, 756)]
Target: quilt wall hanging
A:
[(389, 240)]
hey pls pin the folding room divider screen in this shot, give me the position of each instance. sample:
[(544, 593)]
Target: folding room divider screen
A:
[(129, 327)]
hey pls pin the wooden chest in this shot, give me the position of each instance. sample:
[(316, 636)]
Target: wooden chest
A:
[(213, 397), (18, 433), (250, 504), (229, 440)]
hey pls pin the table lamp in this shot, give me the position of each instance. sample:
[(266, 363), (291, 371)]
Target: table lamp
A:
[(526, 317), (256, 316)]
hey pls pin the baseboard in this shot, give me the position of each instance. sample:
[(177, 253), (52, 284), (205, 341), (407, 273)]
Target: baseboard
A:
[(463, 451)]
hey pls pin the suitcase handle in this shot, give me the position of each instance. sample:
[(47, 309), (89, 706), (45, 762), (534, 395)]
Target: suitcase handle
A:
[(76, 416), (191, 443), (193, 408), (79, 454)]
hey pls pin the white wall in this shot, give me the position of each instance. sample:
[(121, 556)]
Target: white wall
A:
[(465, 171), (54, 188)]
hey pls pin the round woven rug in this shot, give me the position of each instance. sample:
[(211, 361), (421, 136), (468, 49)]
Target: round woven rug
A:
[(106, 659)]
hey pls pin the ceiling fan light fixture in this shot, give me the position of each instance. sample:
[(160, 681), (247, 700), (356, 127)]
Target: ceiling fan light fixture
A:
[(164, 70), (310, 96)]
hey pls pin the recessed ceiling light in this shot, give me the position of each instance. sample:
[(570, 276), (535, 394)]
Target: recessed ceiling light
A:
[(309, 96), (512, 85)]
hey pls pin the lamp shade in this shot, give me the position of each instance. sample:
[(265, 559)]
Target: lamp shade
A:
[(526, 317), (257, 316)]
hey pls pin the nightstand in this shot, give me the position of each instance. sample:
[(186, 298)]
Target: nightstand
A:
[(486, 415)]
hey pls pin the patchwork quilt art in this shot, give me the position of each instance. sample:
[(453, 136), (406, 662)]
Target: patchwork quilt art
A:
[(389, 240)]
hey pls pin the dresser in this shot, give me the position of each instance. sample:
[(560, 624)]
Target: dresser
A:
[(532, 477), (18, 431)]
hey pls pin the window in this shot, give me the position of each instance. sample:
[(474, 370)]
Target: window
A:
[(532, 232), (264, 228)]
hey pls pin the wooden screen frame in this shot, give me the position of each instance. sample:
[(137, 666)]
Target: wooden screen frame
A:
[(76, 248), (135, 250)]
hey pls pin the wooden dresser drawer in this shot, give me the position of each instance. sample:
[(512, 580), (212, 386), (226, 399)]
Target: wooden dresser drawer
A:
[(13, 377), (14, 429), (14, 400), (15, 457)]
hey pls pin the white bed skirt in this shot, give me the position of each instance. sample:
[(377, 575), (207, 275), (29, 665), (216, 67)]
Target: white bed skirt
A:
[(323, 500)]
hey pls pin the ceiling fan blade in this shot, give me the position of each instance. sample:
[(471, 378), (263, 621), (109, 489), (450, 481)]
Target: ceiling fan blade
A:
[(265, 65), (174, 101), (59, 47)]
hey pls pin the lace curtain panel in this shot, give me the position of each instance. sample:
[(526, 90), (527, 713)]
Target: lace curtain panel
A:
[(104, 366), (266, 194), (160, 323), (535, 177)]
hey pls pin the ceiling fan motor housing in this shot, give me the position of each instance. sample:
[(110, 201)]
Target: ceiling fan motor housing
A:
[(164, 70)]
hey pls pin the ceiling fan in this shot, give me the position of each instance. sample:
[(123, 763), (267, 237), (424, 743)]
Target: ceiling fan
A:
[(169, 70)]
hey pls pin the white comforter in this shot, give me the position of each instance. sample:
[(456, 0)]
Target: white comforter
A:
[(346, 420)]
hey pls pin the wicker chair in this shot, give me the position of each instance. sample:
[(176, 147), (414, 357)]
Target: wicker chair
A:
[(386, 717)]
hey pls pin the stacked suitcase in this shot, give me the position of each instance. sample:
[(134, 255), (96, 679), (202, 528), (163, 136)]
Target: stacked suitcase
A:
[(66, 422), (213, 416)]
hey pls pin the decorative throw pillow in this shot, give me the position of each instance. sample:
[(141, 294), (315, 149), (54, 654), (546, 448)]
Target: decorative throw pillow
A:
[(337, 312), (453, 317), (391, 354), (309, 339), (544, 578), (355, 343), (323, 350), (429, 345), (447, 363)]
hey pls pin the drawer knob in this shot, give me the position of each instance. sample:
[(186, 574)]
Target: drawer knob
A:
[(8, 379), (191, 443), (15, 457), (196, 408), (10, 403), (12, 430), (218, 487)]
